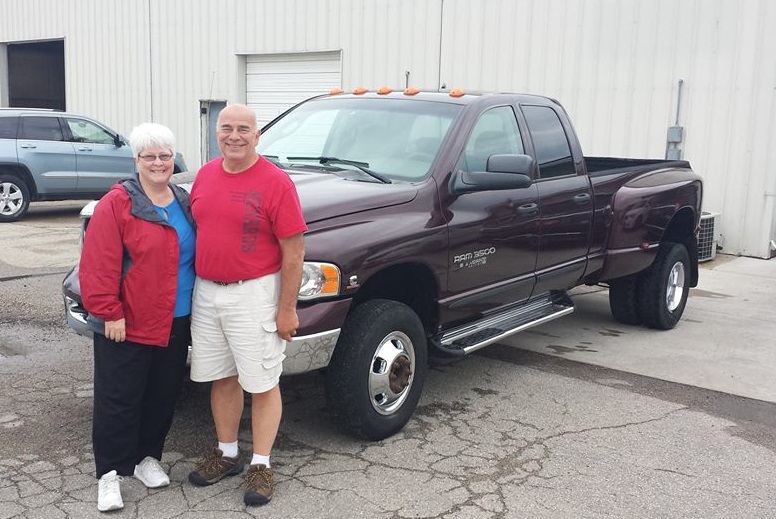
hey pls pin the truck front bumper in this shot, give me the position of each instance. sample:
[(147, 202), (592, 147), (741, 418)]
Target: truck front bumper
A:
[(320, 326), (75, 314)]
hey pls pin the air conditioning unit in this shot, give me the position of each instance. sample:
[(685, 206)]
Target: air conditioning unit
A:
[(708, 236)]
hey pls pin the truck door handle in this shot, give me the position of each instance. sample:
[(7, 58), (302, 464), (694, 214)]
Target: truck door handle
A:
[(83, 148), (528, 209), (27, 146), (582, 198)]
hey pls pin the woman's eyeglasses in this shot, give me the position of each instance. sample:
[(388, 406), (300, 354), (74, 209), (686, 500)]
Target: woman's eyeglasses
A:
[(164, 157)]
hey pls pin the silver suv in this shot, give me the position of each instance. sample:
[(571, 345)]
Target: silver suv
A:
[(51, 155)]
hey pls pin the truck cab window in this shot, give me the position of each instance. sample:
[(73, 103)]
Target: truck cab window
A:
[(552, 147), (495, 132)]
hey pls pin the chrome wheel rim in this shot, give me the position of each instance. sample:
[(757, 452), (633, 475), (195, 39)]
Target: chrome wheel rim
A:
[(391, 373), (10, 199), (675, 286)]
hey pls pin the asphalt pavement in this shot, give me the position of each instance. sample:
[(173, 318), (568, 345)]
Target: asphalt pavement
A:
[(579, 418)]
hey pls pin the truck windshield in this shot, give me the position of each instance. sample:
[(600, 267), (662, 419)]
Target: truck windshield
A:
[(396, 138)]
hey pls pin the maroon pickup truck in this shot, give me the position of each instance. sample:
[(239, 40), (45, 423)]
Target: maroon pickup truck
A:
[(441, 223)]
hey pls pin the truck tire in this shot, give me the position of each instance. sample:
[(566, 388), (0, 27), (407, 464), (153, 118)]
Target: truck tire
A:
[(624, 299), (376, 373), (663, 289), (14, 198)]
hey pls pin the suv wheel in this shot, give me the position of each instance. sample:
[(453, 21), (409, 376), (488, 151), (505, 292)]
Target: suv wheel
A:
[(14, 198), (376, 374)]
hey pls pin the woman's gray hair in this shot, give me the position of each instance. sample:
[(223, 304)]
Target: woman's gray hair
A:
[(151, 135)]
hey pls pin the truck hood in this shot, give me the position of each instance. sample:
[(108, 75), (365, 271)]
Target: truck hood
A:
[(326, 195)]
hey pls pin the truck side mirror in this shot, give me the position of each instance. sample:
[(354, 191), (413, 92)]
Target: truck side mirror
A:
[(521, 164), (503, 172)]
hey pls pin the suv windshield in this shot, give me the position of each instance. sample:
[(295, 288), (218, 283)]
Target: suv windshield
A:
[(396, 138)]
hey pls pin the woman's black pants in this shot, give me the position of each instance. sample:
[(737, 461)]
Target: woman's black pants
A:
[(135, 389)]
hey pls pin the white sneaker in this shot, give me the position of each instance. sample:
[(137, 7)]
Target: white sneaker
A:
[(151, 473), (109, 492)]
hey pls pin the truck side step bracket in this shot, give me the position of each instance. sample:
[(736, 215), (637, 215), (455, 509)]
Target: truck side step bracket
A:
[(472, 336)]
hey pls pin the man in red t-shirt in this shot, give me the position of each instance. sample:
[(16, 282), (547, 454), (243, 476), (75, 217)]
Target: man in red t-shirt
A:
[(249, 255)]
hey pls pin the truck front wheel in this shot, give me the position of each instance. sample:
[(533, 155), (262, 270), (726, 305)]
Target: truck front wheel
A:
[(376, 373), (664, 288), (14, 198)]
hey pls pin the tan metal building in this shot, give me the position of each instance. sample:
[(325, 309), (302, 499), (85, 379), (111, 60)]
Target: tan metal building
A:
[(640, 78)]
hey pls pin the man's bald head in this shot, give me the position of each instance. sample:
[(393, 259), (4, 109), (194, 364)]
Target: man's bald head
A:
[(238, 110), (238, 137)]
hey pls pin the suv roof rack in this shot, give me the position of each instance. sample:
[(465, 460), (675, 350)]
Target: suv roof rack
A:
[(33, 109)]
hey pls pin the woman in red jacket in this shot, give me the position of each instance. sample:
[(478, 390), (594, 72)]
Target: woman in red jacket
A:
[(137, 275)]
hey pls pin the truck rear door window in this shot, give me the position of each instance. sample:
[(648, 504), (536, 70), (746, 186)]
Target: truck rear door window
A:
[(550, 143)]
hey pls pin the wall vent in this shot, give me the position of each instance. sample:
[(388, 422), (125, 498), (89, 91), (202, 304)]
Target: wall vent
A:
[(707, 237)]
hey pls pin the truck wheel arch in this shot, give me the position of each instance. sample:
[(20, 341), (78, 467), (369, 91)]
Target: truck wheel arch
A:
[(390, 283), (681, 229)]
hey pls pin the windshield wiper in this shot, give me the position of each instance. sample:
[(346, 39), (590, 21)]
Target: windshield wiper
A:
[(363, 166), (273, 159)]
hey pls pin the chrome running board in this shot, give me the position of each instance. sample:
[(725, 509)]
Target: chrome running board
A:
[(470, 337)]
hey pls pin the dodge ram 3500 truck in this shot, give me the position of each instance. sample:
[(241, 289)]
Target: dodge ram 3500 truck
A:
[(444, 222)]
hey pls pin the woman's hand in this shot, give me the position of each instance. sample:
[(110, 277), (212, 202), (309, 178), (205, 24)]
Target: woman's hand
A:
[(116, 330)]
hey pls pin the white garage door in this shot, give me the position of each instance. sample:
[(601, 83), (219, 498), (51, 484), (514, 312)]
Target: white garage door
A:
[(276, 82)]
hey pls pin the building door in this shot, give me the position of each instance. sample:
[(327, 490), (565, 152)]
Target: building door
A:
[(276, 82), (36, 75)]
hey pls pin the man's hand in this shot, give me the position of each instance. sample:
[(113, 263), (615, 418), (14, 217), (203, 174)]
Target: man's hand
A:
[(116, 330), (287, 323)]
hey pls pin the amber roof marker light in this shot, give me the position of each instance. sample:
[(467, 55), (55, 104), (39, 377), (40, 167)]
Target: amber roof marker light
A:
[(335, 91), (411, 91), (360, 90), (457, 92), (384, 90)]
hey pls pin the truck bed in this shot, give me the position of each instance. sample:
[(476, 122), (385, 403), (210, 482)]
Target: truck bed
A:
[(599, 166)]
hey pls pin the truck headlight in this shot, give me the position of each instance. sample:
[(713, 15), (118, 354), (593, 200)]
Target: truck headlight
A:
[(319, 280)]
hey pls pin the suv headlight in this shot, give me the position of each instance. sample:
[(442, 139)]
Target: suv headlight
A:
[(319, 280)]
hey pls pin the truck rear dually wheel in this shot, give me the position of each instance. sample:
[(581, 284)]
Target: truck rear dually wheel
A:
[(376, 374), (624, 299), (663, 289), (14, 198)]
